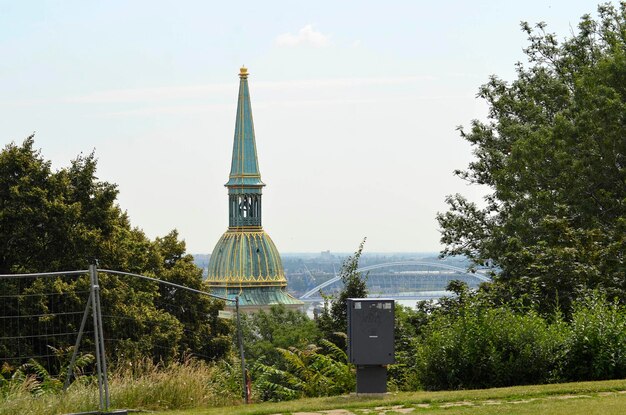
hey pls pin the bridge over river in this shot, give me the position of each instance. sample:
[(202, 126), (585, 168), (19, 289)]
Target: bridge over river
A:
[(405, 280)]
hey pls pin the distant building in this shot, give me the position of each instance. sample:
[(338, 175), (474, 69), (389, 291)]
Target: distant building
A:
[(245, 261), (326, 255)]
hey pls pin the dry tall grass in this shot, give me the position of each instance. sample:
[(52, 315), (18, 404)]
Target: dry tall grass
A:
[(134, 385)]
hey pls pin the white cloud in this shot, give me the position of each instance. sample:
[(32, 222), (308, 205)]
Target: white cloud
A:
[(306, 36)]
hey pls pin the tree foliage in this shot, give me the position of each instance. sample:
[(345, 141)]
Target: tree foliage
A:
[(63, 220), (333, 318), (552, 154), (264, 332)]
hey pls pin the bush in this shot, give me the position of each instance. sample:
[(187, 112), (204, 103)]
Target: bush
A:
[(477, 345), (487, 347), (597, 344), (403, 374)]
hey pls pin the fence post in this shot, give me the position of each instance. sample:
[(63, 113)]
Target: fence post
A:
[(70, 369), (103, 357), (101, 363), (96, 332), (243, 359)]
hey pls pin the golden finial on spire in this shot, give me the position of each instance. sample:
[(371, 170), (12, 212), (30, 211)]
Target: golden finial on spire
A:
[(243, 72)]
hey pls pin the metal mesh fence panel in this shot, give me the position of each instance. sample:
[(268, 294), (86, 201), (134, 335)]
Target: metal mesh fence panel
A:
[(40, 319), (74, 323)]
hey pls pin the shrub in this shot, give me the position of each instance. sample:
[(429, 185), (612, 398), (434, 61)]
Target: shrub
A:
[(597, 344), (486, 347)]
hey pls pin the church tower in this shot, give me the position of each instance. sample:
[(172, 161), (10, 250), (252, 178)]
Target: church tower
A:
[(245, 261)]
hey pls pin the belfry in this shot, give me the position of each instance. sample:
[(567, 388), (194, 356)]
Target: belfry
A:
[(245, 261)]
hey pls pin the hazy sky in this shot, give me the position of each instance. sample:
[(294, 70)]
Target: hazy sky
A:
[(355, 105)]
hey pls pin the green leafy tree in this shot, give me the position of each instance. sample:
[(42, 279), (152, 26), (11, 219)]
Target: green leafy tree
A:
[(63, 220), (333, 318), (552, 153), (205, 335), (408, 326), (265, 332)]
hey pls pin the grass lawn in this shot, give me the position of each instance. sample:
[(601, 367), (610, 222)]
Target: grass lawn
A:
[(584, 398)]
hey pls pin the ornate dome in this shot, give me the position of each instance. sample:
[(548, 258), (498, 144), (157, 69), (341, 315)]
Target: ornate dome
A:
[(245, 259)]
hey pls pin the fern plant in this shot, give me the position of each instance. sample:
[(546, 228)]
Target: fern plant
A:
[(32, 377), (82, 362), (308, 372)]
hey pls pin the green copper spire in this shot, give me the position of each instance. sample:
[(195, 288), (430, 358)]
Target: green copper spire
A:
[(244, 169), (244, 184), (245, 261)]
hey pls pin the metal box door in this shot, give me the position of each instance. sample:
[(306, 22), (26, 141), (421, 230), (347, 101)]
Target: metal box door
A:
[(371, 331)]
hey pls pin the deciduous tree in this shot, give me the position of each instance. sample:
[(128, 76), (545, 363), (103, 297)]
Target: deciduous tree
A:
[(333, 318), (63, 220), (552, 154)]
